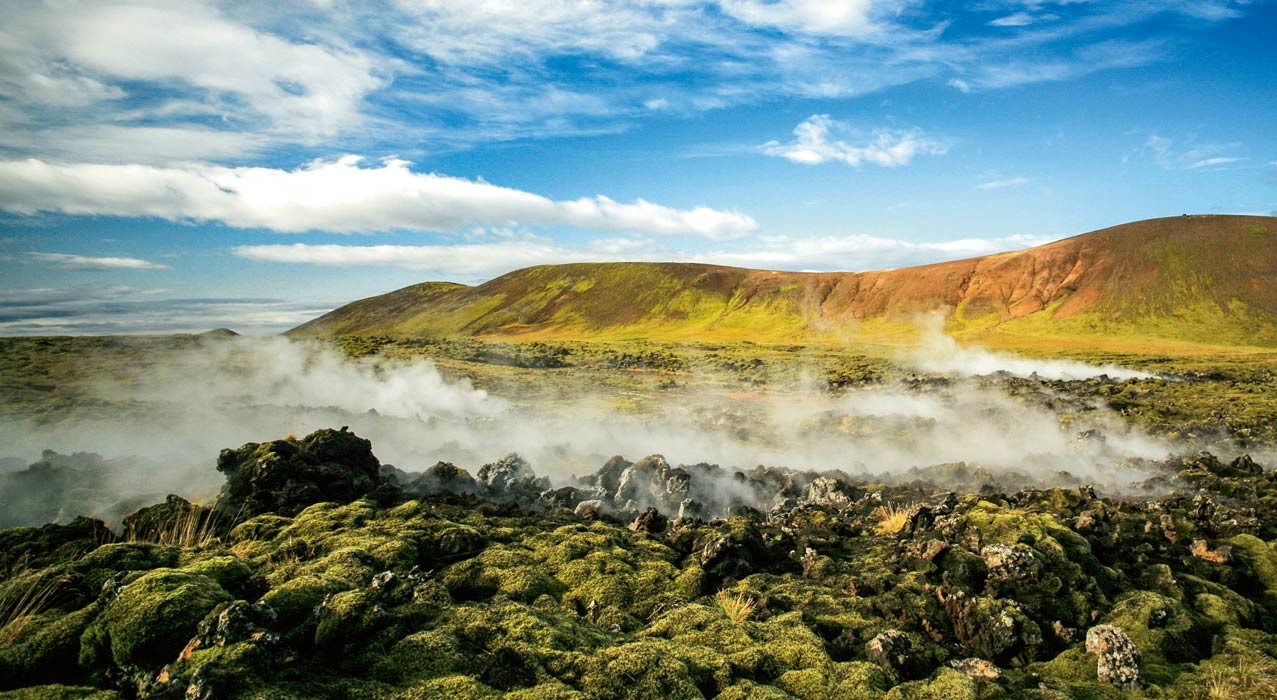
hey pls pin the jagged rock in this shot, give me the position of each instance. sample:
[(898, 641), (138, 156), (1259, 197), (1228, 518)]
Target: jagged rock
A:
[(690, 510), (511, 478), (285, 476), (994, 628), (1119, 657), (590, 510), (733, 554), (649, 520), (1009, 565), (893, 650), (977, 669), (565, 497), (827, 492), (445, 477)]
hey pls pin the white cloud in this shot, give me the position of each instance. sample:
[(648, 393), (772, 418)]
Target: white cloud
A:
[(482, 260), (888, 148), (1215, 161), (66, 261), (109, 310), (100, 69), (1021, 19), (336, 196), (1193, 155), (1001, 184), (837, 17), (959, 84)]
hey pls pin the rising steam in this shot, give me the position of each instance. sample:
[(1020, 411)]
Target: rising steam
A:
[(235, 391)]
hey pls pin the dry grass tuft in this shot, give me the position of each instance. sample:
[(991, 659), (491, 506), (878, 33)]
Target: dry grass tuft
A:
[(22, 603), (892, 518), (1247, 677), (738, 607), (192, 526)]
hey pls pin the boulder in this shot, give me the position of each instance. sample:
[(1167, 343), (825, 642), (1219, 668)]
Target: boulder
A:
[(1119, 657), (286, 476)]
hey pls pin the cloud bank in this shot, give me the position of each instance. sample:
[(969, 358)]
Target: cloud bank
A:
[(336, 196)]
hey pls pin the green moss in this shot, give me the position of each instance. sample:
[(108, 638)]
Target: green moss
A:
[(449, 688), (748, 690), (1165, 632), (228, 571), (151, 619), (48, 649), (646, 669), (947, 684), (349, 618), (59, 692), (553, 690), (296, 598)]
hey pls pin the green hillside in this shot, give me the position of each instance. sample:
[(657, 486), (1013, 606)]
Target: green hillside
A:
[(1174, 283)]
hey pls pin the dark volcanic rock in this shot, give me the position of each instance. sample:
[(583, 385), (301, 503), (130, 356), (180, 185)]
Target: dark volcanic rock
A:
[(285, 476)]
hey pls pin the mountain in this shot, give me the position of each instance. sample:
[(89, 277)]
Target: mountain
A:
[(1188, 280)]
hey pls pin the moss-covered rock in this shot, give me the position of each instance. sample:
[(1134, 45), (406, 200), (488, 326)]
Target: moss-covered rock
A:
[(150, 620)]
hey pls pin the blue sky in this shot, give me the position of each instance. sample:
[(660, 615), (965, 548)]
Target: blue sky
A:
[(176, 166)]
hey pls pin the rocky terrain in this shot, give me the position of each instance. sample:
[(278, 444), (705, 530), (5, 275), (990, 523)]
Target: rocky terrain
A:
[(322, 573)]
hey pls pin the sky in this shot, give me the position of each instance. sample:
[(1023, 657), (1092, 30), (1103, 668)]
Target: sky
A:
[(178, 166)]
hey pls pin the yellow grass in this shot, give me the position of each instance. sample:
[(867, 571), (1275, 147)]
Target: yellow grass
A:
[(192, 526), (24, 601), (892, 518), (738, 606)]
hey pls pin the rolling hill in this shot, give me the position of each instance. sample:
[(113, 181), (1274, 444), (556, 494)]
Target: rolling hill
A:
[(1187, 280)]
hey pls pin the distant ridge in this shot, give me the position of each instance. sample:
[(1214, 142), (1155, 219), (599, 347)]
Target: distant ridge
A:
[(1209, 280)]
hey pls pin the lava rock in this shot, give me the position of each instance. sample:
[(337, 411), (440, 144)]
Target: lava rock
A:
[(286, 476), (1119, 657)]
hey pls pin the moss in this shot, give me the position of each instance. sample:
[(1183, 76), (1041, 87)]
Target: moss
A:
[(103, 563), (349, 618), (748, 690), (151, 619), (645, 669), (1260, 561), (59, 692), (947, 684), (228, 571), (1073, 671), (295, 599), (1165, 632), (449, 688), (422, 656), (807, 683), (553, 690), (48, 649)]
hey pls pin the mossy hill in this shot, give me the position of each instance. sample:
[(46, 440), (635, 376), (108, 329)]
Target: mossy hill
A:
[(317, 581), (1172, 284)]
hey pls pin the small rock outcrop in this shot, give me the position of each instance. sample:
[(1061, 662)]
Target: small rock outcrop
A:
[(1119, 657), (285, 476)]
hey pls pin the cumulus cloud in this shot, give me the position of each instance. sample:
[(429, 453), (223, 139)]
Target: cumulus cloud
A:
[(337, 196), (816, 143), (1002, 184), (67, 261), (306, 87)]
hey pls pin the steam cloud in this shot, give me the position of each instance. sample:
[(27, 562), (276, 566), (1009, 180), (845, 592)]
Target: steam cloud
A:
[(235, 391), (941, 354)]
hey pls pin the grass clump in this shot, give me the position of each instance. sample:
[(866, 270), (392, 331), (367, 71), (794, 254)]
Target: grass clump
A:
[(737, 606), (892, 518), (24, 600)]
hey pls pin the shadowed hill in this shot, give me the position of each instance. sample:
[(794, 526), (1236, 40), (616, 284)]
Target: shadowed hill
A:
[(1190, 279)]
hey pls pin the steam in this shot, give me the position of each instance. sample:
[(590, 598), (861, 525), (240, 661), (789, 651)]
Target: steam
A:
[(938, 353), (228, 392)]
